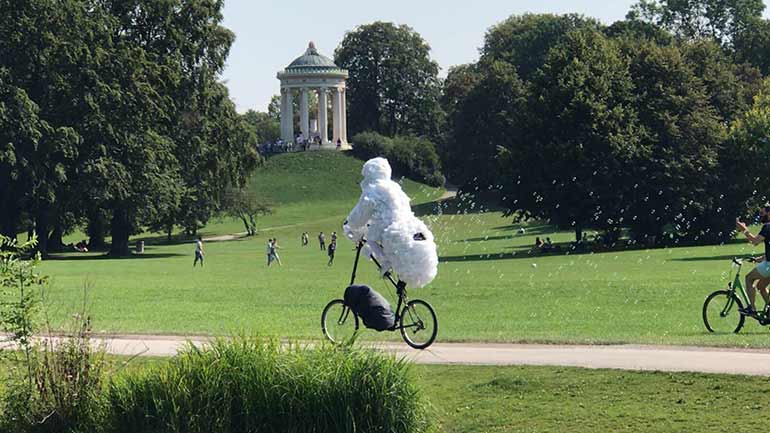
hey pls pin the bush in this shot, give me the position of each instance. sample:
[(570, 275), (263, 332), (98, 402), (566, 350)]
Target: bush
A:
[(249, 385), (413, 157)]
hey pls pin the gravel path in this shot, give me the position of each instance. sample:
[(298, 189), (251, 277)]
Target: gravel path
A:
[(755, 362)]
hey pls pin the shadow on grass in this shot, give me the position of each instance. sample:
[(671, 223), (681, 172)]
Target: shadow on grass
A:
[(105, 256), (724, 257), (530, 231), (456, 205)]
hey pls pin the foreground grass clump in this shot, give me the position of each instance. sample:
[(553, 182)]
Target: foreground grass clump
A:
[(253, 385)]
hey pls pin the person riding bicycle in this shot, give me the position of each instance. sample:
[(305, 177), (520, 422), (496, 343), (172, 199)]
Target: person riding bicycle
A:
[(395, 236), (761, 273)]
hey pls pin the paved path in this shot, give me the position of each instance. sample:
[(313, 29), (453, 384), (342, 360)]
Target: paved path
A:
[(624, 357)]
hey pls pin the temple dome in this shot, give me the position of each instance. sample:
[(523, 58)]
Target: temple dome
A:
[(312, 59)]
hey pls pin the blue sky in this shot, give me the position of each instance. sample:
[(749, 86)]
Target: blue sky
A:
[(272, 33)]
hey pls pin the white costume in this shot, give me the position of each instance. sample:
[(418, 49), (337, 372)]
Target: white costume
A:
[(383, 216)]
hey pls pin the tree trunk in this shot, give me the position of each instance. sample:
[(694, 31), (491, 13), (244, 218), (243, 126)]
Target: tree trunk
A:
[(55, 240), (121, 230), (253, 225), (95, 230), (169, 232), (246, 225), (578, 232), (8, 219), (41, 228)]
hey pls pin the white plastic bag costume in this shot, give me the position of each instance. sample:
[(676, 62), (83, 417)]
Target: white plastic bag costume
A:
[(383, 216)]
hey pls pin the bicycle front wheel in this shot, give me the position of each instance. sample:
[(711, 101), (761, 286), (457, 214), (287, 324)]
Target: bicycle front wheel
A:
[(720, 312), (418, 324), (338, 322)]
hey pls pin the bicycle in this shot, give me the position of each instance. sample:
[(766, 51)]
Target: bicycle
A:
[(722, 309), (416, 320)]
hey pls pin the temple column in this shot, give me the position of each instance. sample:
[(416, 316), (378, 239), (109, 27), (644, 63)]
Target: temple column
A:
[(335, 115), (344, 115), (304, 115), (289, 115), (283, 114), (323, 123)]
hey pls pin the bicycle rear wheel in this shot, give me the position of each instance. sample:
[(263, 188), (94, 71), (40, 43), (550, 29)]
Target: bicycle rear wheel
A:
[(418, 324), (720, 312), (338, 322)]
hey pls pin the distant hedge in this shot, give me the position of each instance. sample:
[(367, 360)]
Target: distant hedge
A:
[(249, 386), (412, 157)]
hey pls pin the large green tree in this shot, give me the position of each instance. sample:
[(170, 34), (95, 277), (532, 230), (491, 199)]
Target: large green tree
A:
[(122, 100), (525, 40), (393, 86), (266, 129), (720, 20), (584, 133), (678, 184)]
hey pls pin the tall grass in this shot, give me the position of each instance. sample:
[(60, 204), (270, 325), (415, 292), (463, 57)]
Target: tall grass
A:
[(251, 385)]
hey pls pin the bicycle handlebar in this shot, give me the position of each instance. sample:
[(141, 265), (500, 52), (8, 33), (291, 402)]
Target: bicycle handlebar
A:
[(738, 260)]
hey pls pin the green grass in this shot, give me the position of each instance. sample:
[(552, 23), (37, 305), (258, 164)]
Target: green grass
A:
[(551, 399), (488, 287), (643, 296), (470, 399)]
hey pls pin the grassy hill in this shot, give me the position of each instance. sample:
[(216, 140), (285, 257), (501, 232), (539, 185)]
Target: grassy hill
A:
[(310, 186)]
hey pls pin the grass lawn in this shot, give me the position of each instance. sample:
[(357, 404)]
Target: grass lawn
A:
[(489, 288), (550, 399)]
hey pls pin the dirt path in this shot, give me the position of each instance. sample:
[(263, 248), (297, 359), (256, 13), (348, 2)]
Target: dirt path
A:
[(753, 362)]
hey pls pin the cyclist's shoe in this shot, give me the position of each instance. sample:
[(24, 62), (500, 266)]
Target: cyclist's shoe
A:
[(748, 311)]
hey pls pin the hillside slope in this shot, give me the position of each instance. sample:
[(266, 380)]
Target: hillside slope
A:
[(311, 186)]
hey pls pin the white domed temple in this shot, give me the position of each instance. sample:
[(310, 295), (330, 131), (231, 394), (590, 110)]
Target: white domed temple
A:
[(313, 72)]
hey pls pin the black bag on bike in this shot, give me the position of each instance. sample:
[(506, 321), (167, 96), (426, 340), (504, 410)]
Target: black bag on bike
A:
[(371, 307)]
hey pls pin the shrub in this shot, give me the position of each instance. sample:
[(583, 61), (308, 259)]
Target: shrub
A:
[(249, 385), (409, 156)]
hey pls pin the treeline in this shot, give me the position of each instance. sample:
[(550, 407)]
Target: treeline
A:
[(658, 124), (112, 118)]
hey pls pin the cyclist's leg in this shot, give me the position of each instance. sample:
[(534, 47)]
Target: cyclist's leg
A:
[(762, 287), (750, 290)]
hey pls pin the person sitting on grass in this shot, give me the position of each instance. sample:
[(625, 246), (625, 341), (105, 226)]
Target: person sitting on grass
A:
[(761, 273), (538, 243)]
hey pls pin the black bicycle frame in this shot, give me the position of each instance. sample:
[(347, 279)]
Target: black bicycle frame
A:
[(399, 285)]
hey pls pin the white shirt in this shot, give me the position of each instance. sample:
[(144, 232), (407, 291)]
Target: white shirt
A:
[(198, 246)]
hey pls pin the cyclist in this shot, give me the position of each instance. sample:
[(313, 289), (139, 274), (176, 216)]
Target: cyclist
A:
[(761, 273)]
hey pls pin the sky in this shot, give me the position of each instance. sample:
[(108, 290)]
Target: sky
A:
[(269, 34)]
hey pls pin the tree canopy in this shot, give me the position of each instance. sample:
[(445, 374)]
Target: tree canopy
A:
[(117, 116), (393, 86)]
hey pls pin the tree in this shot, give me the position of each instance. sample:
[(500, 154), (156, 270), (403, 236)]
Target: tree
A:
[(245, 206), (637, 31), (266, 129), (720, 20), (753, 46), (677, 184), (525, 40), (729, 87), (410, 156), (393, 86), (584, 135), (492, 114), (746, 155)]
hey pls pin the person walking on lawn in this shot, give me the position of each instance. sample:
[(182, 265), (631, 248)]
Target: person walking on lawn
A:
[(275, 252), (198, 251), (332, 249), (322, 241)]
